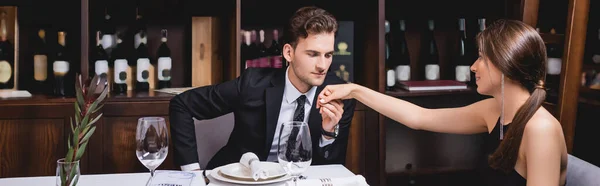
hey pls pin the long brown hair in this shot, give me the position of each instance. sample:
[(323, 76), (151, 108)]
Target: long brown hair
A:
[(518, 51)]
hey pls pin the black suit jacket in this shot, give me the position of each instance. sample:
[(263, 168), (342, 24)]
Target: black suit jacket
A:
[(255, 99)]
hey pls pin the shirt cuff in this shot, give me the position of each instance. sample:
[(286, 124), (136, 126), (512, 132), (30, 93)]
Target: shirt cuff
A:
[(324, 141), (190, 167)]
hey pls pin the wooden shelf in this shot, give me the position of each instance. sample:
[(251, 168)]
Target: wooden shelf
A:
[(36, 100), (590, 66), (553, 38), (130, 96), (399, 92), (140, 96), (594, 102), (589, 96)]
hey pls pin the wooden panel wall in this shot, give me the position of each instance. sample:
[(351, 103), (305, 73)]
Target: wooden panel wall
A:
[(575, 38), (30, 146)]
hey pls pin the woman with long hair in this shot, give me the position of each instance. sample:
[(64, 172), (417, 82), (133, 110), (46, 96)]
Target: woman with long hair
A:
[(526, 145)]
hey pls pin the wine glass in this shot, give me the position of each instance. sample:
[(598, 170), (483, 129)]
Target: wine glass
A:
[(152, 142), (295, 148)]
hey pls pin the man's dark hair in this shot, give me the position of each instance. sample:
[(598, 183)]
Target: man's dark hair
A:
[(308, 20)]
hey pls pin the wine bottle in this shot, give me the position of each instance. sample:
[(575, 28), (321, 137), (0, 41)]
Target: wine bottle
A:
[(429, 53), (254, 51), (140, 29), (390, 74), (401, 51), (164, 62), (275, 50), (108, 32), (99, 67), (142, 68), (596, 52), (61, 67), (554, 66), (474, 47), (251, 50), (263, 55), (461, 58), (7, 61), (40, 64), (120, 68), (245, 50), (142, 58)]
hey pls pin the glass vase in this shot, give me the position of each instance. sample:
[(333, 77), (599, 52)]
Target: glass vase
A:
[(67, 173)]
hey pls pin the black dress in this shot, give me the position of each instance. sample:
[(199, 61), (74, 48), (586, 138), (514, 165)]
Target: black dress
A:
[(494, 177)]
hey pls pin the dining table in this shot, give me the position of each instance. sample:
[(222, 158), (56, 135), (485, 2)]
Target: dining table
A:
[(314, 172)]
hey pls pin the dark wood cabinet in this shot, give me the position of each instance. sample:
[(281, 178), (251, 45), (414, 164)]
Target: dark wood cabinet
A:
[(34, 132), (33, 135), (30, 147)]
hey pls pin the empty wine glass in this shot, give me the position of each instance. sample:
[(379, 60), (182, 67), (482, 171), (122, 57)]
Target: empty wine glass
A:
[(152, 142), (295, 148)]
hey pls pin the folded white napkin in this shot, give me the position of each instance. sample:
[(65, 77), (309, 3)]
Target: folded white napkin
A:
[(251, 161), (357, 180)]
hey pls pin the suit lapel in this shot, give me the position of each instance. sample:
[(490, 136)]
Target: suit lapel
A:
[(273, 97)]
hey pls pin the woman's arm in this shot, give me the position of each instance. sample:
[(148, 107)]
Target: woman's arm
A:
[(461, 120), (542, 140)]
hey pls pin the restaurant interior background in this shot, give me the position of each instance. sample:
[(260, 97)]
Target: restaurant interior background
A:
[(214, 41)]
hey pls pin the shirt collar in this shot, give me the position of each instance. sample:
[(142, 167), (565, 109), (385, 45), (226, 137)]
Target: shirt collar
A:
[(291, 93)]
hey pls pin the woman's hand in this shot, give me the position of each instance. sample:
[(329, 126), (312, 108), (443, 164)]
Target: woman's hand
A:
[(335, 92)]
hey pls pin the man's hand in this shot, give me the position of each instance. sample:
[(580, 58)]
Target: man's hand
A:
[(331, 113)]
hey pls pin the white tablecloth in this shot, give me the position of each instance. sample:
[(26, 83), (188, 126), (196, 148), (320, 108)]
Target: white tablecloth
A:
[(135, 179)]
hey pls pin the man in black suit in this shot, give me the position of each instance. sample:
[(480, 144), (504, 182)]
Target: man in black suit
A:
[(263, 98)]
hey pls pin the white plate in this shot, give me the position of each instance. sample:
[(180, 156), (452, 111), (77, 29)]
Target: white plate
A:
[(239, 171), (216, 173)]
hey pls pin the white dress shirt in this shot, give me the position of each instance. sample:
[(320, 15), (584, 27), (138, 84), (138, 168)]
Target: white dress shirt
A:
[(286, 113)]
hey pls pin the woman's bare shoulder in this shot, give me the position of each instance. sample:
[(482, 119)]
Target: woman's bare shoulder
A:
[(543, 121)]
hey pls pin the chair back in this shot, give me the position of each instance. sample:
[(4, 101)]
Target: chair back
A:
[(212, 135)]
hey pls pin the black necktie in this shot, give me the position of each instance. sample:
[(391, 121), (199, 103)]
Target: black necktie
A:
[(298, 116), (299, 113)]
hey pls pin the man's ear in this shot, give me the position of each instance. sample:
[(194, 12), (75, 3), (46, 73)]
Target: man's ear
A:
[(288, 52)]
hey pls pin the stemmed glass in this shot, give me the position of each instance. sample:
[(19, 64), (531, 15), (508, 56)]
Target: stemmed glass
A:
[(295, 148), (152, 142)]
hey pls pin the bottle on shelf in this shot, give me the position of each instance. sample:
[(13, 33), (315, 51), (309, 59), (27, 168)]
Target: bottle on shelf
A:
[(251, 51), (99, 64), (554, 65), (596, 52), (140, 35), (475, 48), (142, 57), (142, 67), (121, 66), (389, 67), (461, 58), (164, 62), (41, 69), (403, 57), (263, 55), (7, 60), (429, 53), (245, 49), (275, 51), (61, 68), (108, 33), (255, 51)]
